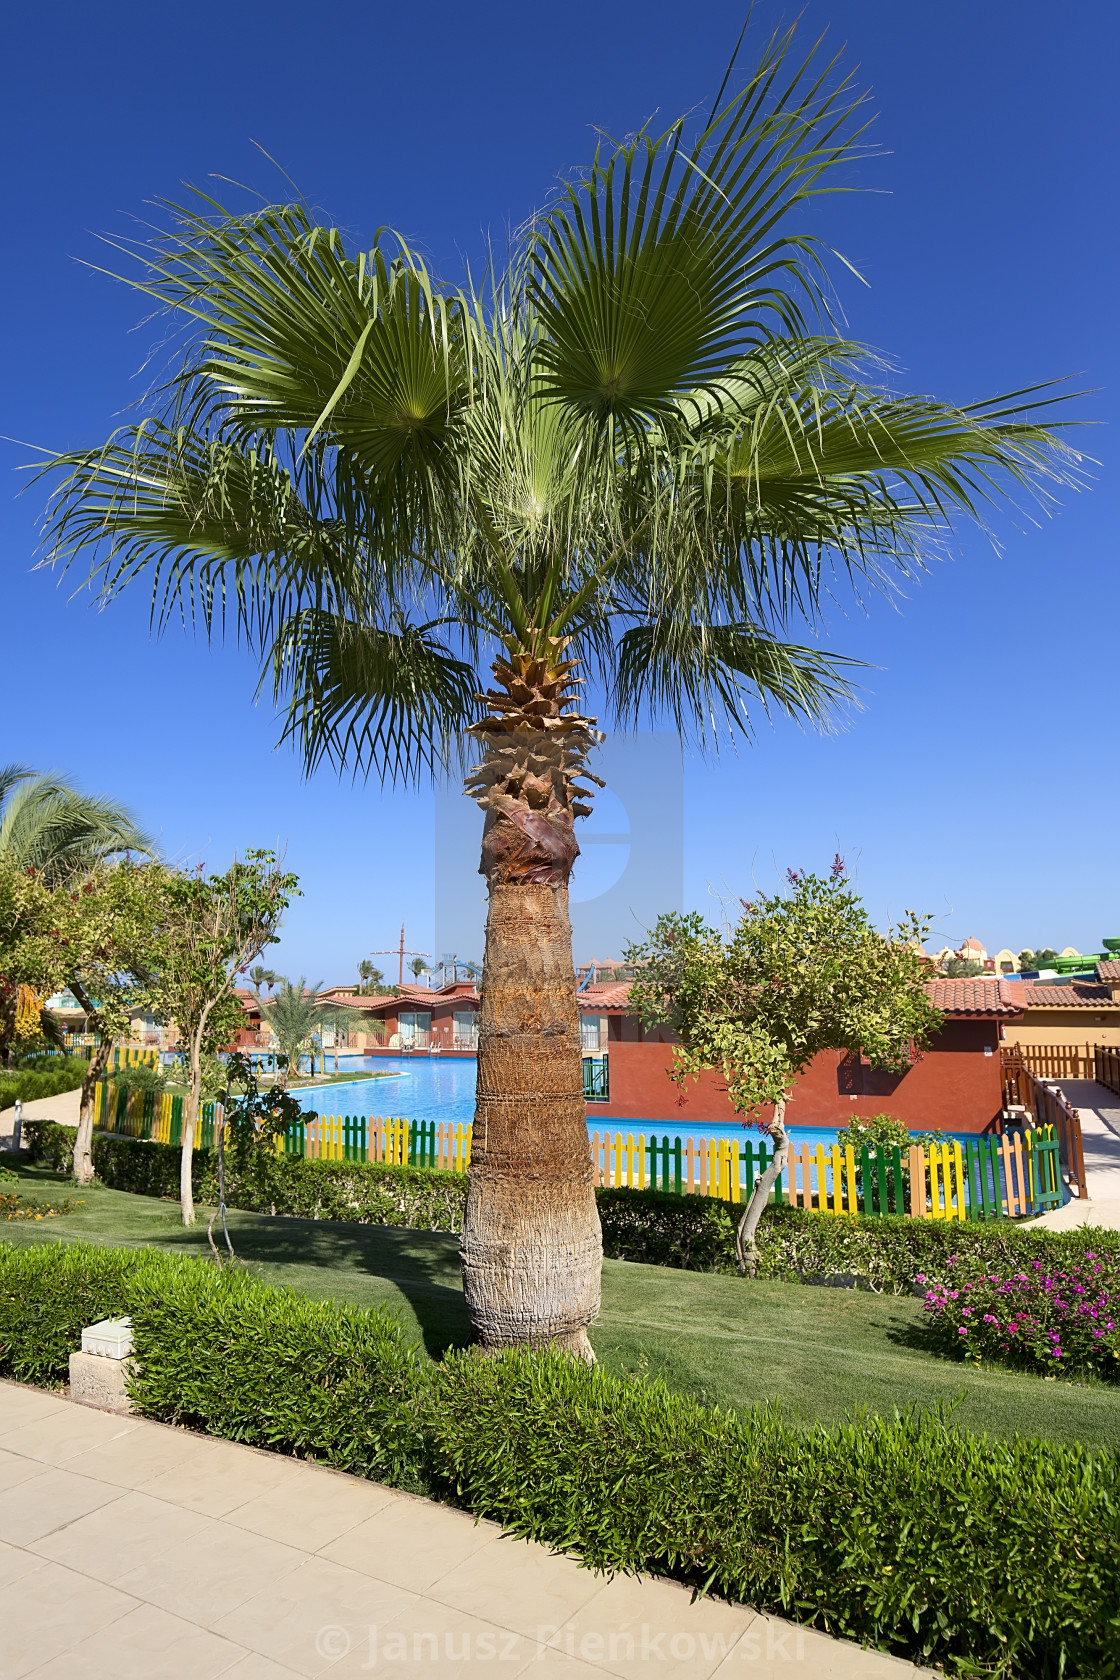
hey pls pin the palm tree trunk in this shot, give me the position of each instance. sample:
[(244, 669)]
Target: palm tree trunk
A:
[(531, 1245)]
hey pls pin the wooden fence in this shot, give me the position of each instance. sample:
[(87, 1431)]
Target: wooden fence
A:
[(985, 1178), (1051, 1061), (1023, 1087), (1106, 1067)]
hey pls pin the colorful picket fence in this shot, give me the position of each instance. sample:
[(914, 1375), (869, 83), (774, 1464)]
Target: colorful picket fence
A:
[(151, 1116), (986, 1178), (401, 1143)]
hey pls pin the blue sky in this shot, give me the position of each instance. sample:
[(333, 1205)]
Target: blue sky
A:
[(979, 783)]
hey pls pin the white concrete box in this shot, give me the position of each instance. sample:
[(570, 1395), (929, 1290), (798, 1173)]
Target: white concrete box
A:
[(111, 1339)]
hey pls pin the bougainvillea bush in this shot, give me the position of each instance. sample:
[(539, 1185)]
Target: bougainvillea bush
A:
[(1059, 1320)]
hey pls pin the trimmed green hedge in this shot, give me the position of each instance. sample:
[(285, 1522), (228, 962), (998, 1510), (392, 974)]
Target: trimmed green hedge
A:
[(29, 1084), (993, 1557), (696, 1233)]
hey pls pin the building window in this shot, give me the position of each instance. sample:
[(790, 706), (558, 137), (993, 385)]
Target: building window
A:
[(416, 1028), (593, 1032), (465, 1028), (596, 1079)]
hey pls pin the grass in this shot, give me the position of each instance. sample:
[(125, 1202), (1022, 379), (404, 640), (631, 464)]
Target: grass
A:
[(824, 1352)]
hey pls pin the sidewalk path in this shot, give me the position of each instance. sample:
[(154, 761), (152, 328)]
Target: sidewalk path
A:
[(1100, 1136), (64, 1108), (130, 1550)]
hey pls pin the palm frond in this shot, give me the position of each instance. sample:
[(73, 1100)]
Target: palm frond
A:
[(393, 701), (47, 825), (666, 260), (709, 679)]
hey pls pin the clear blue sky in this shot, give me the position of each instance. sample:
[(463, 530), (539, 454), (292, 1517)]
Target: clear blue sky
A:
[(980, 783)]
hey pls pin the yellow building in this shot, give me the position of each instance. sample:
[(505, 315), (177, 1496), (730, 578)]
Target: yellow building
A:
[(1084, 1013)]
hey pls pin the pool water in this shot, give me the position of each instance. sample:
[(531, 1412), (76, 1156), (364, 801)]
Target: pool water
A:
[(426, 1088)]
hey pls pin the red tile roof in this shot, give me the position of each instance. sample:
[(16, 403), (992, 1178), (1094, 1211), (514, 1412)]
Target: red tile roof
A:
[(971, 997), (1109, 971), (608, 994), (1083, 995)]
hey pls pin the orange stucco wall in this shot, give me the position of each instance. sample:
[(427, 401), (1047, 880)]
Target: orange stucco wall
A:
[(955, 1087)]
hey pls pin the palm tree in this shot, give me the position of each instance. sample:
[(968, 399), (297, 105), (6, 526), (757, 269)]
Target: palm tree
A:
[(297, 1018), (369, 976), (418, 967), (260, 976), (635, 452), (46, 824)]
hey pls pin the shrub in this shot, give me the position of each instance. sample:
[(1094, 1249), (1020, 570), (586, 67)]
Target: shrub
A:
[(15, 1206), (695, 1233), (1055, 1319), (29, 1084), (140, 1077), (995, 1557)]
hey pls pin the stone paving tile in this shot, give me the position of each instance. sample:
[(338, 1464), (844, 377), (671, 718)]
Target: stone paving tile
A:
[(256, 1667), (209, 1574), (59, 1438), (412, 1543), (19, 1402), (554, 1665), (220, 1476), (54, 1497), (145, 1644), (312, 1509), (523, 1589), (44, 1613), (14, 1562), (775, 1648), (149, 1450), (14, 1469), (111, 1541), (435, 1642), (315, 1614), (652, 1627)]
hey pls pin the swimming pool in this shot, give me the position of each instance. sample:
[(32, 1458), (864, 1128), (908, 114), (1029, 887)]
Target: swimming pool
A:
[(426, 1088)]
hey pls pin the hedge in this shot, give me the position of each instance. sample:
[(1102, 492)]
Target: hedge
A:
[(29, 1084), (994, 1557), (696, 1233)]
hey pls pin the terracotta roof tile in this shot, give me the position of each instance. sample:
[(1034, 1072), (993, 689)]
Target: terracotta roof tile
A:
[(971, 997), (1109, 971), (1083, 995), (608, 994)]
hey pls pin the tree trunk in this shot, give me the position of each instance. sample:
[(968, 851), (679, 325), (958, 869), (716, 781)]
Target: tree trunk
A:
[(746, 1249), (190, 1121), (83, 1140), (531, 1246)]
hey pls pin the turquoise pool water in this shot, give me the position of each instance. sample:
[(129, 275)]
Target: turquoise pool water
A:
[(423, 1088)]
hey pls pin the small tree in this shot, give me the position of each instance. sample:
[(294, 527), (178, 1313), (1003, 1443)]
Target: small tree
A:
[(962, 968), (1030, 961), (107, 931), (254, 1119), (216, 926), (801, 973)]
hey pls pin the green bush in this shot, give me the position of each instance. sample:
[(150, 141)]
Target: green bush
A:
[(986, 1557), (696, 1233), (260, 1182), (140, 1077), (29, 1084)]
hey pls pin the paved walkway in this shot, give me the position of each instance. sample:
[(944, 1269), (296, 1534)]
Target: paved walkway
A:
[(64, 1108), (130, 1550), (1100, 1136)]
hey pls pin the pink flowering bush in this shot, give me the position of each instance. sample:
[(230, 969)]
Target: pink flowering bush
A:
[(1056, 1320)]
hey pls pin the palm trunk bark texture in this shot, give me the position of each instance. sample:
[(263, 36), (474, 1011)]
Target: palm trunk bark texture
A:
[(531, 1245)]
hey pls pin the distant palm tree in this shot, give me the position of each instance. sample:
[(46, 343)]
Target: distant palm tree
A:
[(418, 967), (369, 975), (297, 1018), (259, 977), (46, 824)]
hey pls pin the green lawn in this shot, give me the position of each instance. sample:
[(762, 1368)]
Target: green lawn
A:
[(823, 1352)]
